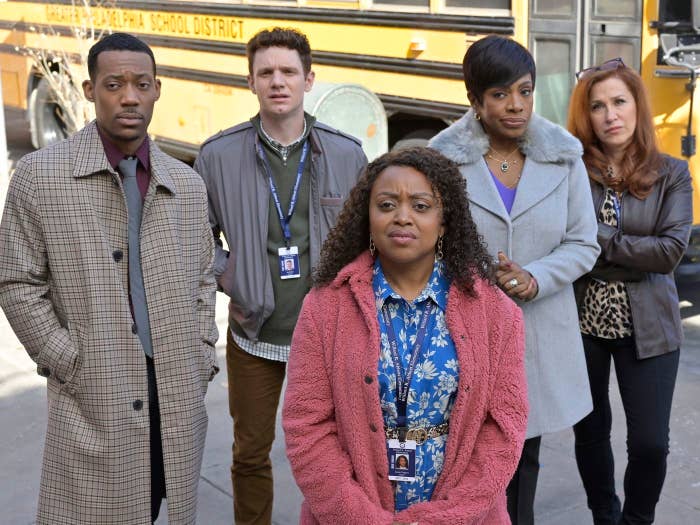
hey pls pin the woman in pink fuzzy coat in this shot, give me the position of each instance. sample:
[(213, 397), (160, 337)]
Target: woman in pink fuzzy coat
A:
[(405, 347)]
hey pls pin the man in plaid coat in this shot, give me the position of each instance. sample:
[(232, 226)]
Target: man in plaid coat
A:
[(117, 440)]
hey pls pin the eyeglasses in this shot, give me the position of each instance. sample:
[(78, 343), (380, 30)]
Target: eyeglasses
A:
[(613, 63)]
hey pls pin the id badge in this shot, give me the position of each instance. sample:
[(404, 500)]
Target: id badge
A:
[(402, 459), (289, 263)]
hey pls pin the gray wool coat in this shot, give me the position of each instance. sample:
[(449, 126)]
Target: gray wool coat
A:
[(64, 284), (551, 232)]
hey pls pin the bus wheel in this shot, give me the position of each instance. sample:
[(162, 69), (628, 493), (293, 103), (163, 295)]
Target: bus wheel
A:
[(419, 137), (45, 121)]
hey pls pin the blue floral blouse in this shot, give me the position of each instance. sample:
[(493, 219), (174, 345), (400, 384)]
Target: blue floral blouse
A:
[(434, 384)]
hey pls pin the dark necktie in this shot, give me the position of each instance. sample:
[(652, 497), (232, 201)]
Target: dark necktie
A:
[(127, 167)]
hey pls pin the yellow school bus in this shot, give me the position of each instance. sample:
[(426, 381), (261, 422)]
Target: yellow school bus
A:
[(407, 52)]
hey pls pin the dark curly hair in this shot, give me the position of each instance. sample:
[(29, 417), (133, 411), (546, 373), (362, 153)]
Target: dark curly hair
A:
[(464, 253)]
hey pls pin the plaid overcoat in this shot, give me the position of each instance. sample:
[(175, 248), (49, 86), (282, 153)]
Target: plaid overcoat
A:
[(64, 288)]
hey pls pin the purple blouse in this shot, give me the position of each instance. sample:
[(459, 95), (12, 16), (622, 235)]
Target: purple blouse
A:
[(507, 194)]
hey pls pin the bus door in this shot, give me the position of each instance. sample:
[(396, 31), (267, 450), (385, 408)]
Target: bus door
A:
[(569, 35)]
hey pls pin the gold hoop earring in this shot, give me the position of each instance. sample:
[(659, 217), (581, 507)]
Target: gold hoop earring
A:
[(477, 116), (438, 251), (372, 247)]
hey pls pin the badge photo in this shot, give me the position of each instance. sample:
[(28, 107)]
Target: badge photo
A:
[(289, 263), (402, 460)]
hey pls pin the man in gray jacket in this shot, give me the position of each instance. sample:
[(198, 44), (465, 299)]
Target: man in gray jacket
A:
[(276, 185)]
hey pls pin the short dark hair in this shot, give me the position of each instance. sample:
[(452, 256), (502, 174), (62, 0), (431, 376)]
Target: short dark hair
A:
[(117, 42), (280, 37), (495, 61)]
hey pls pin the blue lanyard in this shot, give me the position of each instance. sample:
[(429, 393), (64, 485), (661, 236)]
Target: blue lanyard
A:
[(617, 204), (403, 379), (285, 220)]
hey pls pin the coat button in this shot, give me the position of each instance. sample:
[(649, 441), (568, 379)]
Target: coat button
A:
[(368, 380), (134, 329), (117, 255), (372, 427), (138, 404), (45, 371)]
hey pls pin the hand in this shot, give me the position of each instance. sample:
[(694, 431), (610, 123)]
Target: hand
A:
[(513, 280)]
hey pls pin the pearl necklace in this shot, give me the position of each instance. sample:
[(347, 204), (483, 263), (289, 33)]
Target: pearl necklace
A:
[(504, 162)]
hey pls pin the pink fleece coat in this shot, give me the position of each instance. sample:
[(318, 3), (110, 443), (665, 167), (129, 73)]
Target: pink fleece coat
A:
[(333, 420)]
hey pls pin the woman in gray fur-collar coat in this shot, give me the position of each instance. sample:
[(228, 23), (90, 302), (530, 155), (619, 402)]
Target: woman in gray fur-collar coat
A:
[(530, 198)]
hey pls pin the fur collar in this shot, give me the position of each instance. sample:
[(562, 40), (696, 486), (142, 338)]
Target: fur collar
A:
[(465, 141)]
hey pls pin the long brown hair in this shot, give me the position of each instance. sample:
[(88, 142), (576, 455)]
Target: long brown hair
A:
[(641, 160), (465, 256)]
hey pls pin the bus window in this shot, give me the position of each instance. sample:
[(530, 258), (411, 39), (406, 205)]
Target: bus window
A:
[(410, 3), (482, 4), (554, 7), (616, 8), (607, 49), (553, 42), (680, 15), (613, 31), (554, 80)]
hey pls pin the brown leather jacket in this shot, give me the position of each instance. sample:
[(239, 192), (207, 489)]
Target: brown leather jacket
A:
[(643, 253)]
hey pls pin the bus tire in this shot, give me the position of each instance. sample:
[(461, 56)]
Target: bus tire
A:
[(419, 137), (45, 123)]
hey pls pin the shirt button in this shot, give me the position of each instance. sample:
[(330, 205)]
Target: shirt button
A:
[(117, 255), (45, 371), (134, 328), (372, 427), (138, 404), (368, 380)]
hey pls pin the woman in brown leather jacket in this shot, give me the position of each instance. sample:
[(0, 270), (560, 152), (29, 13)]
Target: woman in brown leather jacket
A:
[(628, 303)]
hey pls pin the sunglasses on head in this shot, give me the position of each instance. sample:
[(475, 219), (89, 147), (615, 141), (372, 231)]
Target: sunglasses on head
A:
[(613, 63)]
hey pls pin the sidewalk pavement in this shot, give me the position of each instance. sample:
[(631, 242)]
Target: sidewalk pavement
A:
[(560, 497)]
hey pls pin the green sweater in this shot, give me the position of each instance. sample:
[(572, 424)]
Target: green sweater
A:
[(289, 293)]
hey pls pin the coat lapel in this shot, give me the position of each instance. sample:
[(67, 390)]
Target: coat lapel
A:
[(89, 154), (160, 168), (90, 158), (160, 178), (538, 180), (482, 190)]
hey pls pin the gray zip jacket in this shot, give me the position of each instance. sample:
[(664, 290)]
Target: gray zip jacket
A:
[(239, 200)]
